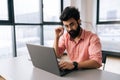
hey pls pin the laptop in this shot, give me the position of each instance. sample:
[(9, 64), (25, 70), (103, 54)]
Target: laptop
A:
[(45, 58)]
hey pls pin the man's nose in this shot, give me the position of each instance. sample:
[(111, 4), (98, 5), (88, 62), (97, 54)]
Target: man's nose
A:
[(69, 28)]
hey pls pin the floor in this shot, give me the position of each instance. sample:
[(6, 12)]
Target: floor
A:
[(113, 64)]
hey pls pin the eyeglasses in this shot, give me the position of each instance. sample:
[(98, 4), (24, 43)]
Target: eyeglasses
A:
[(70, 25)]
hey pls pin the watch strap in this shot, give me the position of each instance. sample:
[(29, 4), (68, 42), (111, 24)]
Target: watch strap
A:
[(75, 66)]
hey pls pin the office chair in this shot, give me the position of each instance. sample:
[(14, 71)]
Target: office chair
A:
[(104, 58)]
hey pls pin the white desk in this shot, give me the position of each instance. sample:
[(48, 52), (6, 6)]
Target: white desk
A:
[(22, 69)]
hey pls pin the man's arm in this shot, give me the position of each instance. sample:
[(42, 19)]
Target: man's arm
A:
[(56, 47), (81, 65), (95, 57), (94, 54), (58, 32), (89, 64)]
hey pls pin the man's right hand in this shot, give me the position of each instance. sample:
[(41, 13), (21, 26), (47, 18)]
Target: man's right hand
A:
[(59, 31)]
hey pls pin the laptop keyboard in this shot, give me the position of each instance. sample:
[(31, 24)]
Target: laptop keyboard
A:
[(64, 71)]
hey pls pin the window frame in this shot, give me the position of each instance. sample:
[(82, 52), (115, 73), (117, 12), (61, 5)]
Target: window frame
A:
[(10, 14), (103, 22)]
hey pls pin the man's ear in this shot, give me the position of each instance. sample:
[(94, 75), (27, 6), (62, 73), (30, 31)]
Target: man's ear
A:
[(79, 21)]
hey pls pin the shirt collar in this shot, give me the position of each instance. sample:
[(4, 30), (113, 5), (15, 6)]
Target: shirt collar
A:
[(82, 34)]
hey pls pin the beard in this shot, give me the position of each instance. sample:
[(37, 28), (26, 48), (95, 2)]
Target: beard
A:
[(74, 33)]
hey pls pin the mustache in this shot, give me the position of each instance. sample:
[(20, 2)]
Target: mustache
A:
[(71, 31)]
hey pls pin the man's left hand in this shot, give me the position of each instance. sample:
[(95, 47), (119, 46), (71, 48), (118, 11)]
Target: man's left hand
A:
[(66, 65)]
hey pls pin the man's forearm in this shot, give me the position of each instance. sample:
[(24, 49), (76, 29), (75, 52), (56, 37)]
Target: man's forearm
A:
[(56, 47), (89, 64)]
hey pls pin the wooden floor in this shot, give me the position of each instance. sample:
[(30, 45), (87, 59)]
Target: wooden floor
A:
[(113, 64)]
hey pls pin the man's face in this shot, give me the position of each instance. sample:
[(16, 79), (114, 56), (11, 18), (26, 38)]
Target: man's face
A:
[(72, 27)]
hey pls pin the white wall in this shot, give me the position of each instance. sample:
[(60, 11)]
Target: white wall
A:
[(76, 3)]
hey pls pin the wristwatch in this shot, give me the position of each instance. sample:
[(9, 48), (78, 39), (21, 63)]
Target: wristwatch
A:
[(75, 66)]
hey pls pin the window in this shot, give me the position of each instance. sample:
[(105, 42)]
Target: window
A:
[(51, 10), (49, 34), (26, 34), (28, 20), (108, 11), (6, 12), (29, 13), (108, 24), (26, 28), (110, 36), (6, 47), (3, 10)]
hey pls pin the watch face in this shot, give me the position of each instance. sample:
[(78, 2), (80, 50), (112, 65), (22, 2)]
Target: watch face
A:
[(75, 65)]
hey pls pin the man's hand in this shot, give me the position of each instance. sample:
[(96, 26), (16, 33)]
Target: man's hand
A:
[(59, 31), (66, 65)]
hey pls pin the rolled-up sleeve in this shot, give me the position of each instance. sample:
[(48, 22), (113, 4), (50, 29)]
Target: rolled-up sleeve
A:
[(61, 45), (95, 49)]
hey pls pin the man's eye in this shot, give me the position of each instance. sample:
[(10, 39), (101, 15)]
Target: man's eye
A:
[(72, 24)]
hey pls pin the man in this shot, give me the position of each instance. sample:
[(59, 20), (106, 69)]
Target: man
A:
[(83, 47)]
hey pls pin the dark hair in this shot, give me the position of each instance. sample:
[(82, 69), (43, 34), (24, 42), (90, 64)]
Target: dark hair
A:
[(70, 12)]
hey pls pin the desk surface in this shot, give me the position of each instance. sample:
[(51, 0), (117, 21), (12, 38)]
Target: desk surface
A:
[(22, 69)]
